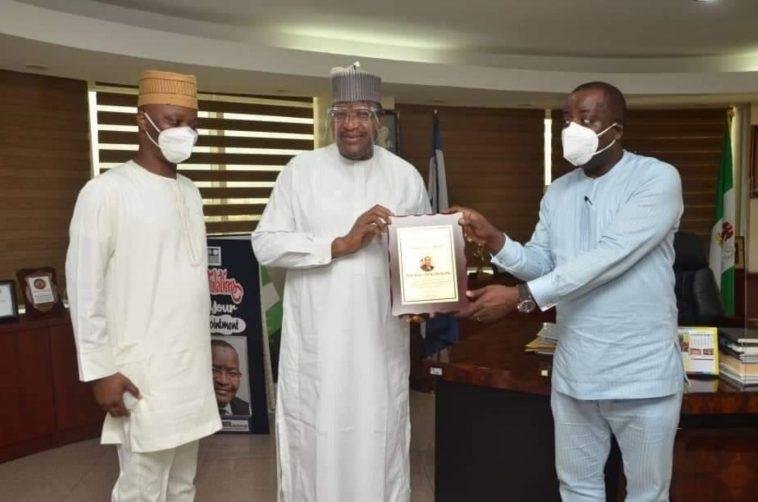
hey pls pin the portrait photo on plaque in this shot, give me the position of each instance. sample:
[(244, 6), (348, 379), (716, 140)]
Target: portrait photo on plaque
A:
[(8, 304), (40, 290), (427, 264), (231, 381)]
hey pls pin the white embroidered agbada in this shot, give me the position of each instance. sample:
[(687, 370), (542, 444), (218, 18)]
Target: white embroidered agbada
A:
[(137, 280), (342, 419)]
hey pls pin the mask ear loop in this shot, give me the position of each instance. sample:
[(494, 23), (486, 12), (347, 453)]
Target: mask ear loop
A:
[(156, 128), (609, 144), (607, 129)]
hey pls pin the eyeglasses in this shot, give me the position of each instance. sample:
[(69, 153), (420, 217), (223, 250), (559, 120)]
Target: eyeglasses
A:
[(230, 373), (358, 114)]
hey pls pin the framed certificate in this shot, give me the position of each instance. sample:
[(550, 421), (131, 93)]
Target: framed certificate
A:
[(427, 264), (40, 291), (8, 305)]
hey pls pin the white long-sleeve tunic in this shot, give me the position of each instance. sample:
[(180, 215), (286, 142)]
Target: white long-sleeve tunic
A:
[(136, 273), (342, 418)]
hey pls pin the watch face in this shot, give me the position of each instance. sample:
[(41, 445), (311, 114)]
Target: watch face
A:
[(526, 306)]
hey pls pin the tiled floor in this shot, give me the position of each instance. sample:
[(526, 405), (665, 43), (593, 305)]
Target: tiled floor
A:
[(230, 468)]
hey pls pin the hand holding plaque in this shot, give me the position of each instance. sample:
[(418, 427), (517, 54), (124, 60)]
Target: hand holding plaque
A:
[(479, 230), (427, 264)]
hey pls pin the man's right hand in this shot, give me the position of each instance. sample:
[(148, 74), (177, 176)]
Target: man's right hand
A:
[(477, 229), (109, 393), (368, 225)]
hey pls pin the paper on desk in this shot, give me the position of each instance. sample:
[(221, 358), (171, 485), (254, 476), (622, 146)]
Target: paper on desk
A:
[(548, 331), (545, 342)]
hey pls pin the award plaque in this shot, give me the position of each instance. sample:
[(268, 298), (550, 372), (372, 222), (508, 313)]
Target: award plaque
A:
[(427, 264), (40, 290)]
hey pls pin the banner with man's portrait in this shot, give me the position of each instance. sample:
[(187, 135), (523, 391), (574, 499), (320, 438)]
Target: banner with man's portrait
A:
[(237, 335)]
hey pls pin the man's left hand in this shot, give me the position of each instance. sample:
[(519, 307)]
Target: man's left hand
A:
[(490, 303)]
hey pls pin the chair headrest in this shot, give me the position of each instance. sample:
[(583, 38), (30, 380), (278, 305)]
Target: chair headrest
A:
[(689, 252)]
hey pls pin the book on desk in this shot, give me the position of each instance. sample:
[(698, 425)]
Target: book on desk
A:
[(739, 355)]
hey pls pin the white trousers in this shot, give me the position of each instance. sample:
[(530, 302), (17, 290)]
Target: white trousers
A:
[(158, 476), (644, 429)]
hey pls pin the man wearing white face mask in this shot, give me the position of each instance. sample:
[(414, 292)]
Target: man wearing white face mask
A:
[(137, 280), (602, 253)]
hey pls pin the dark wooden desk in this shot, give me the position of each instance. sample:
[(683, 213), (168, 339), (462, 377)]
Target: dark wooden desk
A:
[(42, 402), (494, 429)]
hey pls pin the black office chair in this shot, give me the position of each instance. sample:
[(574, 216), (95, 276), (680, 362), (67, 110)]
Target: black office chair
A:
[(697, 295)]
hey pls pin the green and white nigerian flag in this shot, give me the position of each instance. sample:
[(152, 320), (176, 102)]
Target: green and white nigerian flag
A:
[(272, 311), (722, 234)]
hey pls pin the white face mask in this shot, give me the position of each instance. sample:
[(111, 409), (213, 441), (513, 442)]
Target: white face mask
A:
[(580, 143), (175, 143)]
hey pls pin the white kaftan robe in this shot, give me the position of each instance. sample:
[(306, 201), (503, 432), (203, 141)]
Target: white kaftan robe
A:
[(342, 419), (137, 280)]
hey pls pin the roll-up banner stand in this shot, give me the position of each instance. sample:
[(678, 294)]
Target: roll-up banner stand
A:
[(237, 335)]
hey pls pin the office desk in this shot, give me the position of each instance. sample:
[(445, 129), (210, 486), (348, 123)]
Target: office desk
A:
[(494, 429)]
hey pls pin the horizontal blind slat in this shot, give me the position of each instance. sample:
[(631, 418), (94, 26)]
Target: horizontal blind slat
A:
[(300, 112), (233, 209), (226, 227), (235, 192), (127, 89), (130, 138), (121, 156), (221, 176), (128, 119)]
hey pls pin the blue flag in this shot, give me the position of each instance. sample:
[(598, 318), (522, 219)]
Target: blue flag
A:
[(437, 185), (442, 331)]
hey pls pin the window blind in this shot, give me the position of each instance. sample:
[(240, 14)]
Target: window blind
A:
[(243, 144)]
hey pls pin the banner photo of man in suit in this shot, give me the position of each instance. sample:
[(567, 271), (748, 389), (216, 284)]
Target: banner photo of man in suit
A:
[(229, 379)]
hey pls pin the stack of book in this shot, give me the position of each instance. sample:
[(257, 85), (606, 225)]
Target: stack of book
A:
[(545, 341), (738, 355)]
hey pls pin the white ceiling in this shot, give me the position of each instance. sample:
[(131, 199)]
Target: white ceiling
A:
[(594, 28), (489, 52)]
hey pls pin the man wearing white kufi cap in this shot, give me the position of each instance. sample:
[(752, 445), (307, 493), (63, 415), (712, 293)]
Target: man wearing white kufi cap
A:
[(342, 419), (137, 279)]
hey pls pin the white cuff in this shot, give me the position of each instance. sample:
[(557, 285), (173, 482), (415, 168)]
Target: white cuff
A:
[(96, 364), (541, 292), (508, 255)]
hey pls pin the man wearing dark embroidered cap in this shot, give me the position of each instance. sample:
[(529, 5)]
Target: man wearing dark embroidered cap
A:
[(342, 418), (137, 279)]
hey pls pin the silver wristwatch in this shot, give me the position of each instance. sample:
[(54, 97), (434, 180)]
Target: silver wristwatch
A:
[(526, 303)]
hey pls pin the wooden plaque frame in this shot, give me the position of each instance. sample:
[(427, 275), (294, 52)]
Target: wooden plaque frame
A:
[(40, 309), (458, 243)]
